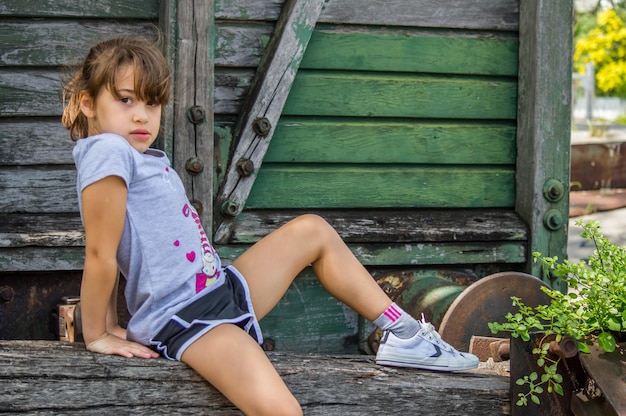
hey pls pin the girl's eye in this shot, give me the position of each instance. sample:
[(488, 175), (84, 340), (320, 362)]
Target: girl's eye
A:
[(152, 103), (125, 100)]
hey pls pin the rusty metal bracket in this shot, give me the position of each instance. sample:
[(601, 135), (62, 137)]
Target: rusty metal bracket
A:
[(498, 349)]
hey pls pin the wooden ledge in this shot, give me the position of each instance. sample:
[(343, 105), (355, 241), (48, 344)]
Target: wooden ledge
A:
[(46, 377), (54, 242)]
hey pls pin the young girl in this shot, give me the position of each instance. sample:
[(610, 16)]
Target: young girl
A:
[(183, 303)]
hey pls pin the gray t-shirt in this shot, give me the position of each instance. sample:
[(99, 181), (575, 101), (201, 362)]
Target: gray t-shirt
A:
[(163, 243)]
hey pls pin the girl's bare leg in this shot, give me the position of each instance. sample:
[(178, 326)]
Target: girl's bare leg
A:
[(271, 265), (232, 361)]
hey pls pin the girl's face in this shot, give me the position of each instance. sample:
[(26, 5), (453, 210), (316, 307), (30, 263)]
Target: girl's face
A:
[(136, 121)]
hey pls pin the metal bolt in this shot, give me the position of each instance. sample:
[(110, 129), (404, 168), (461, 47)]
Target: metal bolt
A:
[(553, 220), (566, 348), (553, 190), (194, 166), (197, 206), (6, 294), (230, 208), (196, 114), (261, 126), (245, 167)]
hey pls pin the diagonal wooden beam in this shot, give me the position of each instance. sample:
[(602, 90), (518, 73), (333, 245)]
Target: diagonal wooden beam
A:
[(262, 110)]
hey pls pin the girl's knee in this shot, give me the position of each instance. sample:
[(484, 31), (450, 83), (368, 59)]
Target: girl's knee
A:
[(312, 219), (314, 224)]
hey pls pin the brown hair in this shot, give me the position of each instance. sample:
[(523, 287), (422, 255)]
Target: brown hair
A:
[(152, 77)]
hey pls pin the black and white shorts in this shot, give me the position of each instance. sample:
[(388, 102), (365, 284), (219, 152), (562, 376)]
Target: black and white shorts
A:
[(227, 301)]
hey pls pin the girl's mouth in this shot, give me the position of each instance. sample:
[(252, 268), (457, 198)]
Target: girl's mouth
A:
[(141, 134)]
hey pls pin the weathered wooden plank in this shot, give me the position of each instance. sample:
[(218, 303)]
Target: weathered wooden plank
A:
[(397, 95), (84, 8), (28, 92), (231, 89), (39, 200), (36, 93), (194, 91), (60, 43), (402, 255), (33, 223), (399, 226), (308, 141), (54, 145), (40, 258), (451, 253), (424, 97), (412, 254), (38, 177), (398, 186), (544, 120), (238, 45), (38, 189), (44, 238), (65, 377), (267, 97), (396, 51), (50, 230), (478, 14), (393, 226), (369, 49), (360, 140)]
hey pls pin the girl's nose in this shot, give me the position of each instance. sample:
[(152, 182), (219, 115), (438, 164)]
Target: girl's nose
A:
[(141, 114)]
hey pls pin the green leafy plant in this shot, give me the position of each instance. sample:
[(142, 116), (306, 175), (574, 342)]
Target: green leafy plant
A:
[(593, 309)]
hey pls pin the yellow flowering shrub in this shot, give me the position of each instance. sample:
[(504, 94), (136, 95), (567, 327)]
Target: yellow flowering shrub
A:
[(605, 46)]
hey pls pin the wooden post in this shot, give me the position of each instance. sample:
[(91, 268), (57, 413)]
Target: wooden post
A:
[(544, 125), (189, 36), (261, 112), (167, 27)]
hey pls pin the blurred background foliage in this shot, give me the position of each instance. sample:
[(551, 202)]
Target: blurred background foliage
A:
[(600, 37)]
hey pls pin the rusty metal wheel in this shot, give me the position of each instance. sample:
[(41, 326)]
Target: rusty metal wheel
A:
[(488, 300)]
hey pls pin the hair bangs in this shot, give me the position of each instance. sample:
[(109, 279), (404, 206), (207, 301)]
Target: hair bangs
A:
[(150, 72)]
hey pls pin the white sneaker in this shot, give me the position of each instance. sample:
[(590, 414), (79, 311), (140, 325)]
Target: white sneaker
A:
[(425, 350)]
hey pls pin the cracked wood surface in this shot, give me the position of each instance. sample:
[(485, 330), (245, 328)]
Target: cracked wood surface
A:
[(44, 377)]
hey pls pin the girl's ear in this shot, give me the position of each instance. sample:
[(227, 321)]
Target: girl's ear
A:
[(86, 104)]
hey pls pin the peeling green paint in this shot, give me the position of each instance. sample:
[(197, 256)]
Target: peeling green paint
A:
[(265, 40)]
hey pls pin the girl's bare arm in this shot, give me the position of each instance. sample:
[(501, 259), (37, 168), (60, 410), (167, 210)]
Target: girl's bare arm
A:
[(112, 324), (104, 210)]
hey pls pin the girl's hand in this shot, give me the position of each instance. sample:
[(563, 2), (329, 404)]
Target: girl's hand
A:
[(118, 331), (110, 344)]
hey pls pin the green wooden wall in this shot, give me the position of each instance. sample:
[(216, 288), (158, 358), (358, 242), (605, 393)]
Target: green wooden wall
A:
[(411, 118), (39, 42), (404, 127)]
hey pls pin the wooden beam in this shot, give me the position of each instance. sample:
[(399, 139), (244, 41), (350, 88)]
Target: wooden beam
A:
[(395, 225), (544, 125), (193, 102), (457, 14), (260, 115), (62, 378)]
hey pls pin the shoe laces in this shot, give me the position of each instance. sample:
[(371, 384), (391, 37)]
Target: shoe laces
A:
[(429, 332)]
